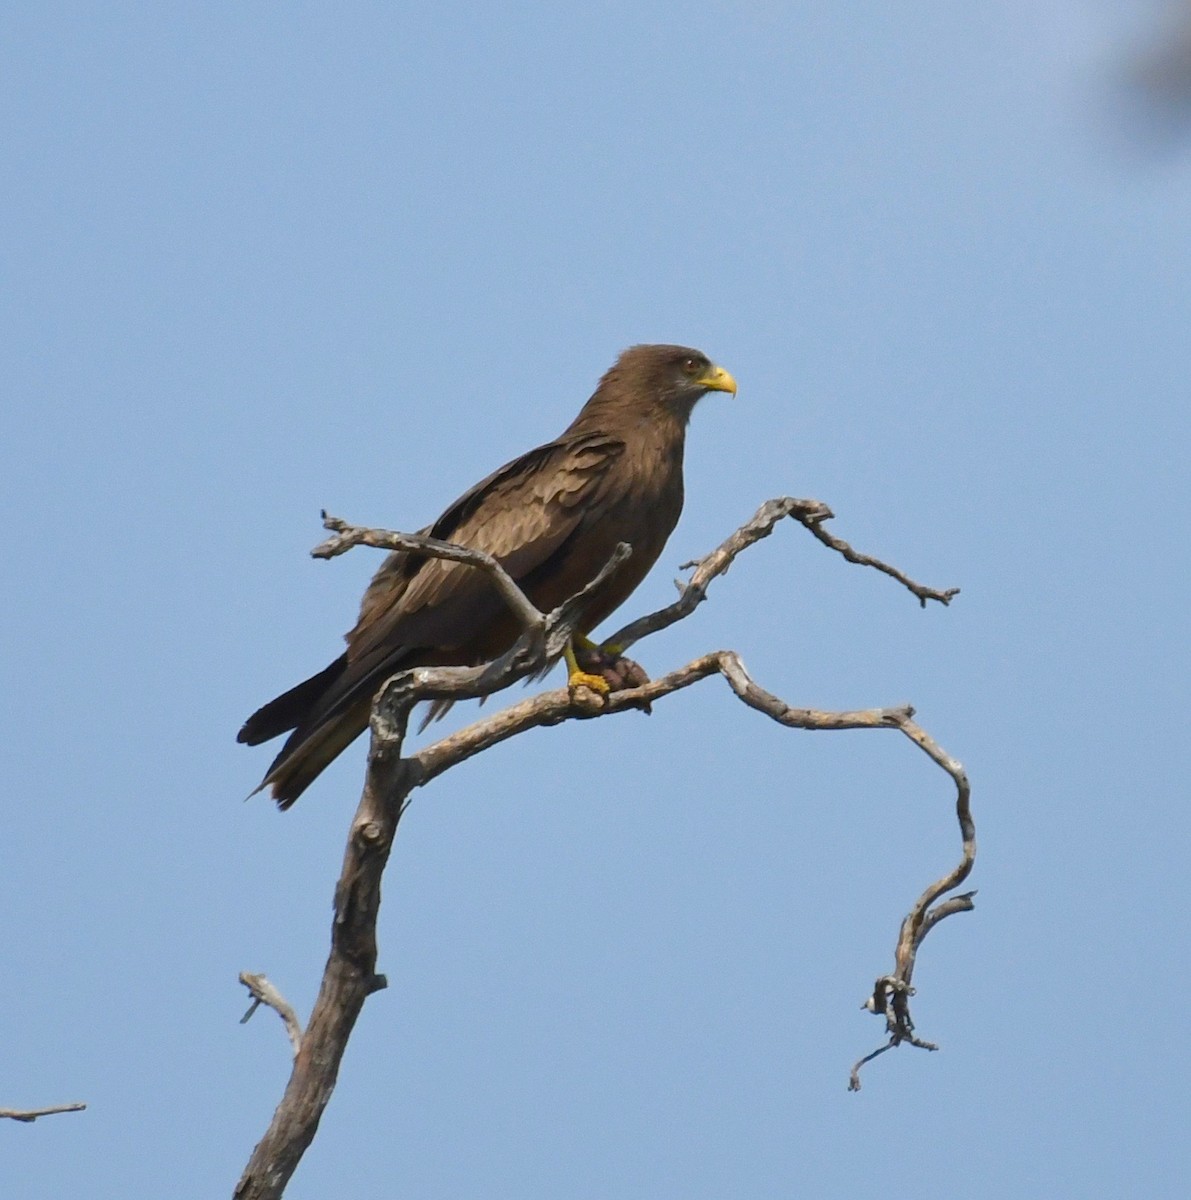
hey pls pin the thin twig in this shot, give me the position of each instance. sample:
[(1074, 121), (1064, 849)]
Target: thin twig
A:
[(866, 560), (263, 992), (346, 536), (29, 1115)]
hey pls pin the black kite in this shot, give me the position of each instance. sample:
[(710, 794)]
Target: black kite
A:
[(551, 517)]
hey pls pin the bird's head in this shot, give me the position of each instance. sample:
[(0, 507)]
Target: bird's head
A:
[(663, 379)]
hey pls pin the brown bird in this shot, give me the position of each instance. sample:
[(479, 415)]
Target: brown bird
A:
[(551, 517)]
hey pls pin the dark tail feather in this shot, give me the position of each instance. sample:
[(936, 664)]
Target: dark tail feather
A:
[(291, 708), (308, 751)]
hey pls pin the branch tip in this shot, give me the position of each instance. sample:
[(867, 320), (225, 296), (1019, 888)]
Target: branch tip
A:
[(263, 992), (28, 1115)]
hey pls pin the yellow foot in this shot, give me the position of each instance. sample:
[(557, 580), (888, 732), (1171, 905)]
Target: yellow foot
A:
[(597, 683), (588, 691), (578, 678), (615, 673)]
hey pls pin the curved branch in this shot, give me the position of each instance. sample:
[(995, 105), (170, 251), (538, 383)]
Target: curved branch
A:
[(552, 708), (891, 993)]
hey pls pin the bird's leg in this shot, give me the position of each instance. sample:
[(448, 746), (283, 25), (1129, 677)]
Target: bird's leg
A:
[(576, 676), (605, 663), (606, 650)]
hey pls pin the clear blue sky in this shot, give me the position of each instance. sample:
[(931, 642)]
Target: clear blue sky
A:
[(262, 259)]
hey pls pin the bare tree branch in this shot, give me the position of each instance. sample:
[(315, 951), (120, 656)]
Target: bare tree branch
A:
[(350, 975), (263, 992), (810, 514), (29, 1115), (891, 993)]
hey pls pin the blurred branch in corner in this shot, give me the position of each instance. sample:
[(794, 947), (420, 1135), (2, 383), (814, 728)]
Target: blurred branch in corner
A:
[(1155, 73)]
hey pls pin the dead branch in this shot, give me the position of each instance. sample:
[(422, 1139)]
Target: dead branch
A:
[(350, 975), (29, 1115), (924, 594), (891, 993), (810, 514), (263, 992)]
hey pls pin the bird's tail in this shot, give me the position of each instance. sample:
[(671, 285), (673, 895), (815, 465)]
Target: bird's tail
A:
[(291, 709), (308, 751), (319, 735)]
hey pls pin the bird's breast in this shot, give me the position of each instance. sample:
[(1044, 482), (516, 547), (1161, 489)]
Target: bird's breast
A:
[(642, 511)]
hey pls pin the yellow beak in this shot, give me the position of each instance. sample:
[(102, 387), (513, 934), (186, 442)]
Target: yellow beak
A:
[(716, 379)]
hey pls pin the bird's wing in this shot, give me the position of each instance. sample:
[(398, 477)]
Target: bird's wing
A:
[(522, 514)]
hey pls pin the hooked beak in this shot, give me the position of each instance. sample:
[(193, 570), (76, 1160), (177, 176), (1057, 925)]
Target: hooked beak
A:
[(716, 379)]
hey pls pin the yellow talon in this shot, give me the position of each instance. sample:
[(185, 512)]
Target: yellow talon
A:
[(577, 677)]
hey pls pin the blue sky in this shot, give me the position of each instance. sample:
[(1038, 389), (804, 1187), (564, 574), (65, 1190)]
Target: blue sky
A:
[(261, 260)]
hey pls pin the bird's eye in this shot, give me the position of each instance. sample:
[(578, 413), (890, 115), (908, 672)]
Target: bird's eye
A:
[(690, 365)]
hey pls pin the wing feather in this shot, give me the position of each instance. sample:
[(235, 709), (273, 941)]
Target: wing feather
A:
[(522, 515)]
